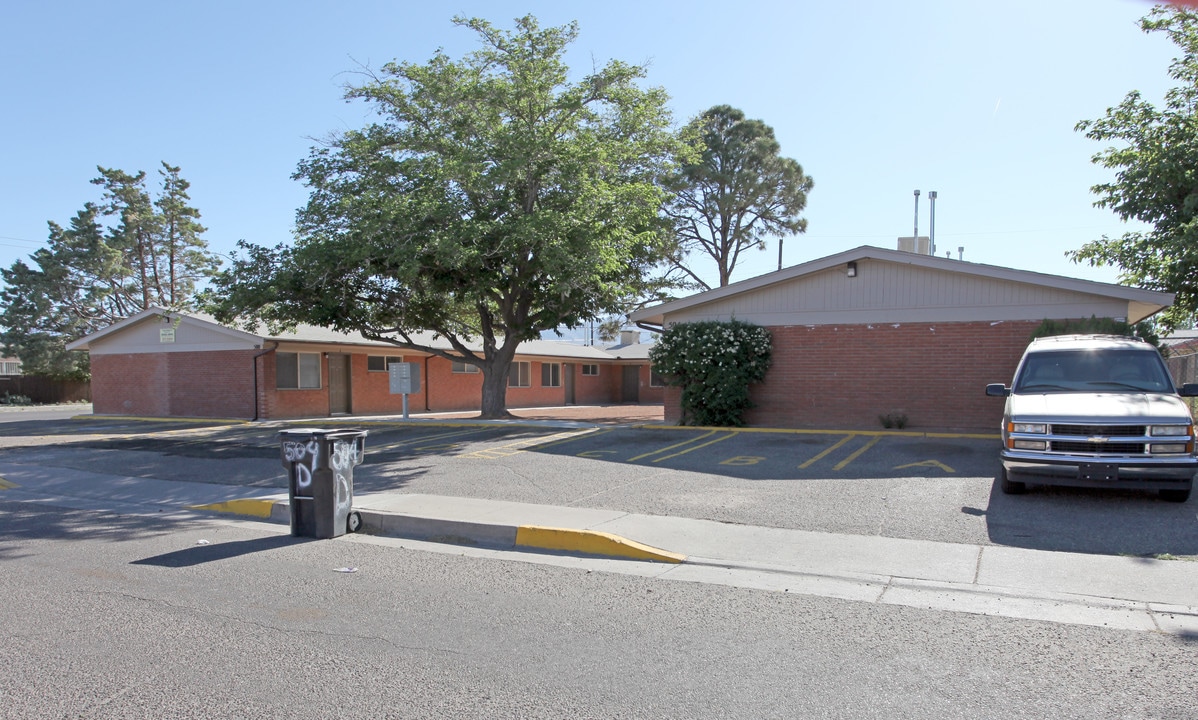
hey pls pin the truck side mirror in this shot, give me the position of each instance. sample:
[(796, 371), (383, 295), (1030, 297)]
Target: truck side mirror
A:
[(1000, 390), (1189, 390)]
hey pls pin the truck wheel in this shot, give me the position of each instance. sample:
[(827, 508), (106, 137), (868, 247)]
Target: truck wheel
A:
[(1177, 496), (1009, 486)]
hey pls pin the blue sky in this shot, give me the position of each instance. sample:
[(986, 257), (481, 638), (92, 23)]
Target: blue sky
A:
[(875, 99)]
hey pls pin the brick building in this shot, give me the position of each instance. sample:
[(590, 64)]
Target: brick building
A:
[(165, 364), (871, 332)]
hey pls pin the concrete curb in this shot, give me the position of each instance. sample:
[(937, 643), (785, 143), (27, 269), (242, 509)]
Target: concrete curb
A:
[(457, 532)]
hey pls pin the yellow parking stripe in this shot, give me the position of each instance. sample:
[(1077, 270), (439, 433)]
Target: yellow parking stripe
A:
[(826, 452), (7, 484), (708, 434), (696, 447), (528, 445), (854, 456)]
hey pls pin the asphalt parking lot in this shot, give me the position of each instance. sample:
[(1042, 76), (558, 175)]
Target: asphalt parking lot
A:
[(908, 485)]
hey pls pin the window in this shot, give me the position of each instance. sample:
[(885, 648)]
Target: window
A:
[(655, 380), (520, 375), (590, 369), (10, 368), (461, 367), (551, 375), (382, 363), (297, 371)]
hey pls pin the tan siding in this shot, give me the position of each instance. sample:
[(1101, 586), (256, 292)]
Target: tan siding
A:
[(144, 337), (891, 292)]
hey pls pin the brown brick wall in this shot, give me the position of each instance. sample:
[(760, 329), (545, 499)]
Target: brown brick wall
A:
[(846, 376), (187, 384), (221, 384)]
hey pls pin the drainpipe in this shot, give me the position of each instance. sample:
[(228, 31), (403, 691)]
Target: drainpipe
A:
[(274, 346)]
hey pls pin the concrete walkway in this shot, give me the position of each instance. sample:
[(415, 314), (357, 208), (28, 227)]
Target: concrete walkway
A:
[(1106, 591)]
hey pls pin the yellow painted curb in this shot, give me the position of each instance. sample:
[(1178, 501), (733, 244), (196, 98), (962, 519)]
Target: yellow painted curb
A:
[(145, 418), (591, 542), (254, 507), (816, 431)]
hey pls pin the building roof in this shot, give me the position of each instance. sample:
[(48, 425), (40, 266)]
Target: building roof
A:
[(318, 335), (1139, 303)]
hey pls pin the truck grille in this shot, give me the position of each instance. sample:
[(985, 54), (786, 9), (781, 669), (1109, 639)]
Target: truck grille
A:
[(1100, 430), (1103, 448)]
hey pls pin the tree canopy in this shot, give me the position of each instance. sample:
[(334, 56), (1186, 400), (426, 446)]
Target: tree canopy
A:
[(492, 199), (733, 192), (1155, 159), (92, 274)]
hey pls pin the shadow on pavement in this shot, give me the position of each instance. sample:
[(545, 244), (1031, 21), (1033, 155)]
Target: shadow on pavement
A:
[(21, 523), (1108, 522), (201, 554)]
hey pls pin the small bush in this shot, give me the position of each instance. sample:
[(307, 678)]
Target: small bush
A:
[(893, 420), (13, 399), (1097, 326)]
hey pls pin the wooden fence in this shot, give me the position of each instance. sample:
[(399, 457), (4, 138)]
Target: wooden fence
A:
[(43, 390)]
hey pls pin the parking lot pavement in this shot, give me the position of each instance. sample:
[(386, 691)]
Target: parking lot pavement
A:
[(937, 487)]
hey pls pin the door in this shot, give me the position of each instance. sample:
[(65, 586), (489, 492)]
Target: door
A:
[(568, 380), (338, 384), (632, 384)]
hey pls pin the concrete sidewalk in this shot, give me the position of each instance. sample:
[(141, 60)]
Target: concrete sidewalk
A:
[(1101, 590)]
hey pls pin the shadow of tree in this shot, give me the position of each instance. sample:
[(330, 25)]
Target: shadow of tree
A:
[(23, 523)]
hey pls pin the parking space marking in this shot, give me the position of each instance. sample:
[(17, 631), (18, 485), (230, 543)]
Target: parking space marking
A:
[(531, 444), (7, 484), (926, 463), (709, 442), (426, 438), (707, 434), (861, 450), (826, 452), (690, 446)]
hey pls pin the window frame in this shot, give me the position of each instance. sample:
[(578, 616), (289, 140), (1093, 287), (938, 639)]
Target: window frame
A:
[(282, 371), (388, 361), (586, 366), (461, 367), (523, 372), (551, 375), (655, 379)]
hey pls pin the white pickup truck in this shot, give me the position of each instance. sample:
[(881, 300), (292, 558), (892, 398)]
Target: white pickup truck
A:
[(1096, 411)]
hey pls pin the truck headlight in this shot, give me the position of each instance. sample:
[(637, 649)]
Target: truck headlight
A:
[(1030, 444), (1168, 448), (1029, 428), (1170, 430)]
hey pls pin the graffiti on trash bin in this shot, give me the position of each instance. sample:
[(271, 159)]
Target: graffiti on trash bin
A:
[(344, 457), (303, 457)]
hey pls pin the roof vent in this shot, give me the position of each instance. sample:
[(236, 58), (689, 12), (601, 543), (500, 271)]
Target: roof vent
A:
[(921, 245), (630, 337)]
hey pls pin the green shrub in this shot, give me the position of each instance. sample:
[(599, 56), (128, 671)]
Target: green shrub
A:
[(14, 399), (714, 363), (1097, 326)]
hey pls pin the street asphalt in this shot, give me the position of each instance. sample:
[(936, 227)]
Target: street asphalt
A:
[(1135, 593)]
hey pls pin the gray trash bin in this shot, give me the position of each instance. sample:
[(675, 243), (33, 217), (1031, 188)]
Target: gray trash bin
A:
[(320, 479)]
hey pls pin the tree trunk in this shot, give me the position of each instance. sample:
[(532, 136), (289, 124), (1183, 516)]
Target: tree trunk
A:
[(497, 360), (494, 401)]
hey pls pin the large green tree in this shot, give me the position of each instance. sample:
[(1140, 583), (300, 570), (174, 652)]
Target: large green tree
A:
[(733, 192), (1155, 159), (114, 259), (493, 199)]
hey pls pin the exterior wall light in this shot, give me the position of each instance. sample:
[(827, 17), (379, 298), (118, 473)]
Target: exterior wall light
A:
[(851, 270)]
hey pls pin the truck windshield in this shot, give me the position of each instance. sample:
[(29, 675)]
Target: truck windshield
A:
[(1093, 371)]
